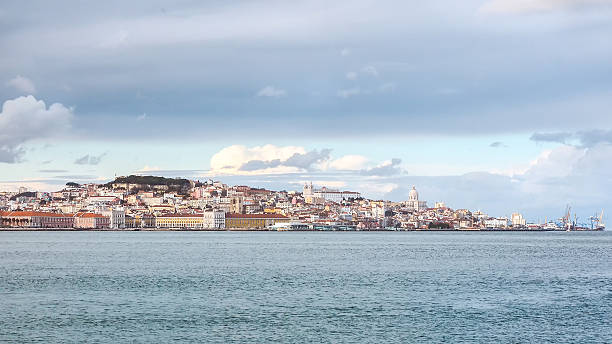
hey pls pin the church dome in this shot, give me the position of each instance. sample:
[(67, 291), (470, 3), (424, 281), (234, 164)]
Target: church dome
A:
[(413, 195)]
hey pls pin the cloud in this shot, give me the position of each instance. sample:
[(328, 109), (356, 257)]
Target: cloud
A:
[(351, 75), (270, 91), (242, 160), (328, 183), (53, 171), (307, 159), (584, 138), (590, 138), (349, 162), (25, 118), (89, 159), (528, 6), (387, 168), (148, 168), (141, 117), (551, 137), (22, 84), (254, 165), (345, 52), (497, 144)]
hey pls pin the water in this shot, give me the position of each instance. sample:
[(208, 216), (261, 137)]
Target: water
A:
[(158, 287)]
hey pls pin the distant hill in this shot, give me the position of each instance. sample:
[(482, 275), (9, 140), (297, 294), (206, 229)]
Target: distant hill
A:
[(174, 184), (23, 194)]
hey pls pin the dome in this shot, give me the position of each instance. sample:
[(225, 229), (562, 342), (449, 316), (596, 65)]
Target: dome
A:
[(413, 195)]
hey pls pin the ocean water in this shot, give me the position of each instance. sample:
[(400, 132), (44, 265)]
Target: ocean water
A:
[(401, 287)]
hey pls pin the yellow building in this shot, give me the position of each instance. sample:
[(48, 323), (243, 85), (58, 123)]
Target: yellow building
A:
[(252, 221), (191, 221)]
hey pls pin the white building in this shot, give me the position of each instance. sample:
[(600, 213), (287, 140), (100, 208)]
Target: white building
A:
[(500, 222), (116, 216), (214, 219), (518, 220), (326, 194), (413, 202)]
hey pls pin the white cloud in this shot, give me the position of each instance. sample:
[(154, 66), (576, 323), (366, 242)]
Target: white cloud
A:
[(141, 117), (270, 91), (23, 84), (349, 162), (377, 188), (328, 183), (148, 168), (25, 118), (385, 169), (525, 6), (351, 75)]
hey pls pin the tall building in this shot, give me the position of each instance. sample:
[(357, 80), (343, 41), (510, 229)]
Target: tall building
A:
[(214, 219), (517, 220), (413, 202)]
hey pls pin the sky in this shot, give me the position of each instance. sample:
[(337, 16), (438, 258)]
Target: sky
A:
[(492, 105)]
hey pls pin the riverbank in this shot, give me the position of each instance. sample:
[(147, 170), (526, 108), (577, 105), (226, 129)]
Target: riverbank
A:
[(25, 229)]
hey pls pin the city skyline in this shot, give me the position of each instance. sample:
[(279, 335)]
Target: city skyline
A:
[(496, 105)]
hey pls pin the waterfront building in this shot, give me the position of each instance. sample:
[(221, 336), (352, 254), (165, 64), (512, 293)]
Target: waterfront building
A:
[(190, 221), (117, 218), (253, 221), (35, 219), (214, 219), (91, 221), (499, 222), (518, 220)]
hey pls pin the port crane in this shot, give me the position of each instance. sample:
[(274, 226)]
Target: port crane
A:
[(597, 221)]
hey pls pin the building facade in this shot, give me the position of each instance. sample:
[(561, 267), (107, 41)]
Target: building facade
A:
[(186, 221), (91, 221), (35, 219), (413, 202), (253, 221), (214, 219)]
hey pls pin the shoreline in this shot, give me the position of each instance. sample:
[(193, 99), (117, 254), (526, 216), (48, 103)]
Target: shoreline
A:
[(378, 230)]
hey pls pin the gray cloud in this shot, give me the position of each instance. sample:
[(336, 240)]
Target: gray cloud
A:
[(254, 165), (53, 171), (591, 138), (299, 54), (299, 160), (497, 144), (584, 138), (307, 159), (387, 169), (89, 159), (551, 137)]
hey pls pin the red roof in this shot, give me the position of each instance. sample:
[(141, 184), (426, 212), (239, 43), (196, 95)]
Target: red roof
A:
[(32, 214), (88, 215), (254, 216), (181, 215)]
